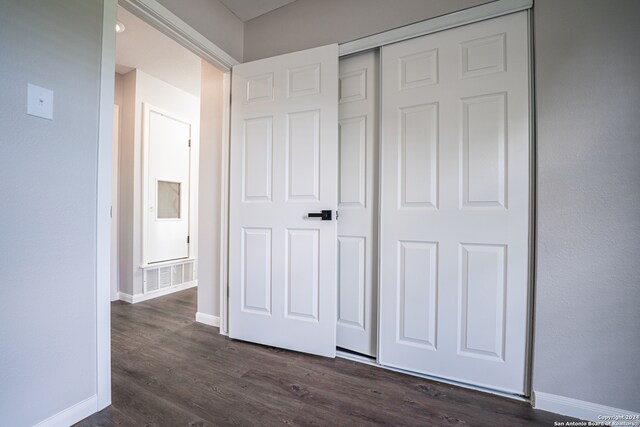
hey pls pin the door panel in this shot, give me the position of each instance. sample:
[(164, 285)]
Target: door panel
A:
[(256, 162), (358, 204), (256, 270), (168, 187), (455, 204), (284, 157)]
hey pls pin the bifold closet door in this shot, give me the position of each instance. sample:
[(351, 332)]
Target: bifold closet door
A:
[(358, 204), (455, 204), (283, 167)]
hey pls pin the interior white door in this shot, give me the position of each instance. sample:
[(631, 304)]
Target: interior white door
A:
[(358, 204), (284, 156), (455, 204), (167, 140)]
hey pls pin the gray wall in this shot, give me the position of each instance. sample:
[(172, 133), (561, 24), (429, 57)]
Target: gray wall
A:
[(126, 176), (587, 319), (309, 23), (587, 341), (209, 196), (48, 172), (213, 20)]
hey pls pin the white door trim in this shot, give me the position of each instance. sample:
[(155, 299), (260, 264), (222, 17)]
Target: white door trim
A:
[(158, 16), (114, 204), (528, 380), (152, 12), (439, 23), (103, 205), (224, 214)]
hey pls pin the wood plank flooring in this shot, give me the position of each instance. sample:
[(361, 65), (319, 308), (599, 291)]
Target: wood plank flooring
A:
[(169, 370)]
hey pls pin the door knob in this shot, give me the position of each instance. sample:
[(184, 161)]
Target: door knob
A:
[(325, 215)]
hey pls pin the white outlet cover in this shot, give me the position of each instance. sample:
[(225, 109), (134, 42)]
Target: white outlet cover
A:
[(39, 102)]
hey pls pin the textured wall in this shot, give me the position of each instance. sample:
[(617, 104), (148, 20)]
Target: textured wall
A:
[(48, 172), (587, 336), (310, 23)]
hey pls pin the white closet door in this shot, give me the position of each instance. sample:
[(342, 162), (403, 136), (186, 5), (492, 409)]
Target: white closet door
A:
[(284, 157), (455, 204), (358, 204)]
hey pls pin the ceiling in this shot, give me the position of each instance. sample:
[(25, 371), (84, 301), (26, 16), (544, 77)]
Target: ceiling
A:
[(143, 47), (249, 9)]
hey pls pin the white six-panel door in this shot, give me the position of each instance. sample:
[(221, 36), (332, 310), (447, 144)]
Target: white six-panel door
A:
[(455, 204), (284, 157), (167, 141), (358, 204)]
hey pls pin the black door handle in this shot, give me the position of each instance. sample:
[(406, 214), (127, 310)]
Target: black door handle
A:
[(325, 215)]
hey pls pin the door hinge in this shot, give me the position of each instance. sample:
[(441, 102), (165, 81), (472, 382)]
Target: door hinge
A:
[(337, 215), (187, 239), (189, 143)]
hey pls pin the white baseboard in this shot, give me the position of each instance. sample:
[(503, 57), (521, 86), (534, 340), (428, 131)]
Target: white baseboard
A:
[(576, 408), (72, 414), (125, 297), (208, 319), (133, 299)]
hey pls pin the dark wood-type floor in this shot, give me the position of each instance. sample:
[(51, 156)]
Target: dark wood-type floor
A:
[(169, 370)]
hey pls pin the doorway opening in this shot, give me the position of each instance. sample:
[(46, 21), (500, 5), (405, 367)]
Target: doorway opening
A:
[(167, 171)]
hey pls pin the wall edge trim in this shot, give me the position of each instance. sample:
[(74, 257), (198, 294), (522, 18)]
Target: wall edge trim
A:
[(576, 408), (72, 414), (208, 319)]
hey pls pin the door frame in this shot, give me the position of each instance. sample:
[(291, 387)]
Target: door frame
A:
[(156, 15), (456, 19), (114, 204)]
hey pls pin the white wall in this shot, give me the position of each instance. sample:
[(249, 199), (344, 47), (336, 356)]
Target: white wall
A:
[(310, 23), (139, 88), (213, 20), (209, 198), (48, 172)]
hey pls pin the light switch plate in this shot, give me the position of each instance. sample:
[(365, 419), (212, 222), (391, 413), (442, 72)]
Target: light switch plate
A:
[(39, 102)]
